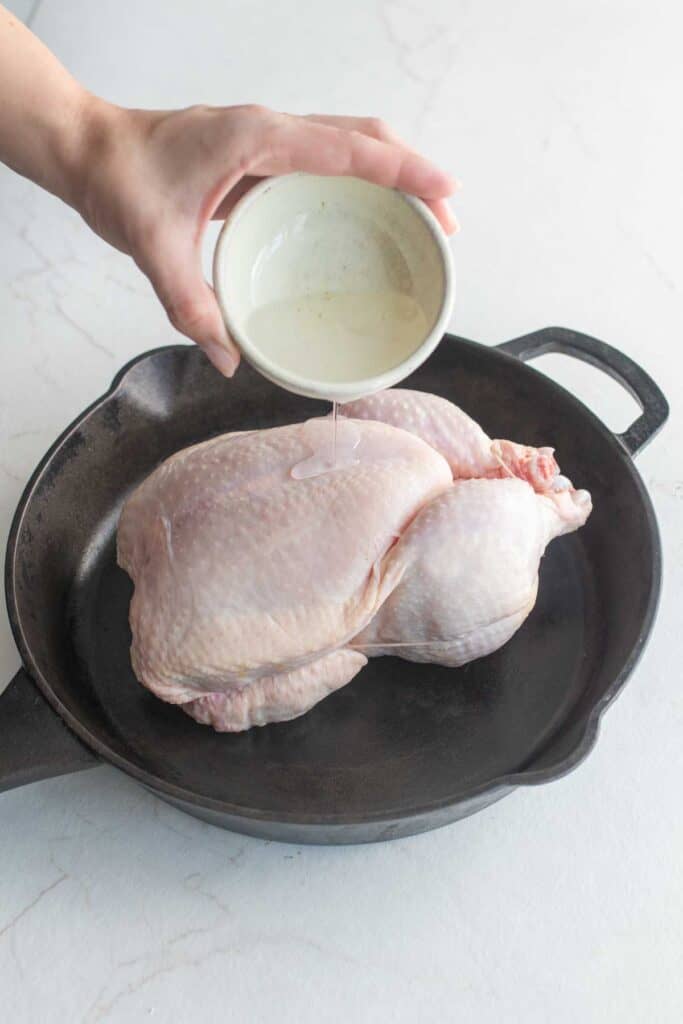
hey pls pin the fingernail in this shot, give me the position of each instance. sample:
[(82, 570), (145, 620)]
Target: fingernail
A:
[(221, 357), (452, 226), (454, 184)]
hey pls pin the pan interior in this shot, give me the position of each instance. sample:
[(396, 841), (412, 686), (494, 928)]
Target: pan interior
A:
[(401, 737)]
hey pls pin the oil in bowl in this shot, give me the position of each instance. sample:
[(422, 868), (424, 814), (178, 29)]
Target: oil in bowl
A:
[(333, 287)]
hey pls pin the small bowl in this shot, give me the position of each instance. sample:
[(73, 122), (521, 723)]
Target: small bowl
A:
[(332, 287)]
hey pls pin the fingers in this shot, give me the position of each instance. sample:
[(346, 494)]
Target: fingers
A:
[(378, 129), (444, 215), (191, 305), (439, 207), (277, 134), (375, 127), (299, 144)]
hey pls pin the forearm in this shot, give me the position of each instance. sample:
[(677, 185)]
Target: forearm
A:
[(46, 117)]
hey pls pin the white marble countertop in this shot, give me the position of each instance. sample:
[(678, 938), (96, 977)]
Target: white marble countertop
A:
[(561, 903)]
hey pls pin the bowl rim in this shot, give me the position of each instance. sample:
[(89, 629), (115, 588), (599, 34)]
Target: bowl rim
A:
[(337, 390)]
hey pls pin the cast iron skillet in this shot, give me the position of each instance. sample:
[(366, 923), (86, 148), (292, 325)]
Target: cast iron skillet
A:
[(404, 747)]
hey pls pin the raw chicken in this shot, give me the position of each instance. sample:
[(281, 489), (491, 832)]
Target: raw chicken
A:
[(462, 442), (242, 572), (257, 594)]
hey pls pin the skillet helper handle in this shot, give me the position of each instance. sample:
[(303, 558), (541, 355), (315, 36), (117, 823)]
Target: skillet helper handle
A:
[(640, 385), (35, 743)]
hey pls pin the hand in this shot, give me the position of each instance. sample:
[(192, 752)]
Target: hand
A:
[(151, 181)]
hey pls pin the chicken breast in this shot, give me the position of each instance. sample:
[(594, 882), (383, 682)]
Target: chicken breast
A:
[(242, 572)]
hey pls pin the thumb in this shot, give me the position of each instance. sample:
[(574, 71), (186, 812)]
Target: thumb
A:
[(191, 306)]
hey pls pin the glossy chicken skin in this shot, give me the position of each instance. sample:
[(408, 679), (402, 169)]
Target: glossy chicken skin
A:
[(257, 594)]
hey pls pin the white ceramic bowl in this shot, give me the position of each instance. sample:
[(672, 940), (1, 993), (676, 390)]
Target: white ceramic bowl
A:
[(332, 287)]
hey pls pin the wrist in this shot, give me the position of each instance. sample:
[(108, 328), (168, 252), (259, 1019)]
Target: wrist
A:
[(79, 143)]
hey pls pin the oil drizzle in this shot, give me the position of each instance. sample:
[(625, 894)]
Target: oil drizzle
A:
[(333, 442), (334, 434)]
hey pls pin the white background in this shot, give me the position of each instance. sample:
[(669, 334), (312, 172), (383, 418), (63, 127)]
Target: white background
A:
[(560, 904)]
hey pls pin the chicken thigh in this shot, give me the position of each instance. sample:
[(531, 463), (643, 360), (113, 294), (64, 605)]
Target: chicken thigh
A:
[(468, 571), (258, 593)]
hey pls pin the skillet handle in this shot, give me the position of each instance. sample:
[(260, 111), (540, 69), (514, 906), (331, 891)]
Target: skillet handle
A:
[(655, 408), (36, 744)]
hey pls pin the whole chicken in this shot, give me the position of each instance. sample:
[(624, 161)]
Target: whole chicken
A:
[(264, 577)]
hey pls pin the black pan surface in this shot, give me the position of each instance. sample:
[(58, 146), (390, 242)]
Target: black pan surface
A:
[(404, 747)]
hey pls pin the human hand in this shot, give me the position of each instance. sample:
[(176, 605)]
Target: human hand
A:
[(152, 181)]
